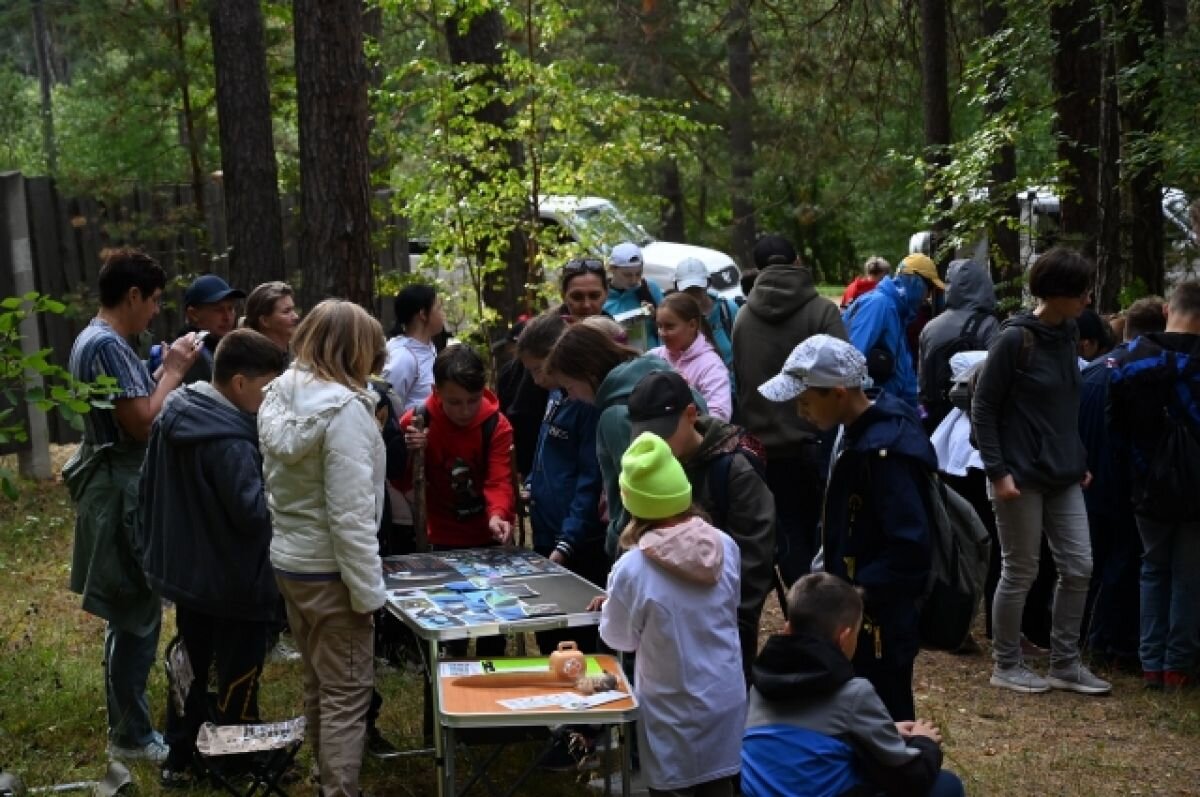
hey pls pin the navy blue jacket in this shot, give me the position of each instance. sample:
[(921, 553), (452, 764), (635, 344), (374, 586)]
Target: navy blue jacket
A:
[(205, 530), (1107, 497), (1156, 369), (565, 482), (876, 531)]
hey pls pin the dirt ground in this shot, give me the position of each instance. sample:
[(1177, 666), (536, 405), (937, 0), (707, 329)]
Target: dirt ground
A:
[(1133, 742)]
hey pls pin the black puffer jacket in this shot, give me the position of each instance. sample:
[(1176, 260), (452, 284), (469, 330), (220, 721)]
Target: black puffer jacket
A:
[(205, 531)]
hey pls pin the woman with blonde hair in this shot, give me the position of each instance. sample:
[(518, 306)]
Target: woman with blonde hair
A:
[(323, 462)]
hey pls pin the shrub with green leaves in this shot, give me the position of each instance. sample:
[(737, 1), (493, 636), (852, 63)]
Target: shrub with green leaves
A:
[(58, 392)]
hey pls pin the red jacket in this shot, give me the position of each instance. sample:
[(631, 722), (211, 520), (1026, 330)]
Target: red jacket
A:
[(462, 491), (857, 288)]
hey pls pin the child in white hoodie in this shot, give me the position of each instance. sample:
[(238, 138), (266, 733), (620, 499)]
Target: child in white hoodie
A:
[(673, 597)]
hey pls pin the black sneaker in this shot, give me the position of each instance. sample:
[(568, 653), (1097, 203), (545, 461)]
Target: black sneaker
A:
[(177, 778), (379, 747)]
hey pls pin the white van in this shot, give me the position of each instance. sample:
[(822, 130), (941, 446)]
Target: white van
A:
[(598, 225), (1041, 222)]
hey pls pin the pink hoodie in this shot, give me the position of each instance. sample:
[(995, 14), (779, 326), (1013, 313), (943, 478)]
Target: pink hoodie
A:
[(703, 368), (693, 550)]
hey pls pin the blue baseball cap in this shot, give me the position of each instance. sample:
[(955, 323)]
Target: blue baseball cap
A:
[(210, 289)]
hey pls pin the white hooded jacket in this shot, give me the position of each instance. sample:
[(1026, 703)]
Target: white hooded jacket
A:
[(323, 463), (674, 600)]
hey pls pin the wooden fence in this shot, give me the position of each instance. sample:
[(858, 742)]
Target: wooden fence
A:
[(51, 243)]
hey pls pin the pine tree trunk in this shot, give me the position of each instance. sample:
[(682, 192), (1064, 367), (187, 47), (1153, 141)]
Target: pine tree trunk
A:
[(1110, 257), (331, 87), (252, 214), (1139, 45), (479, 42), (41, 49), (1076, 73), (741, 132), (935, 100), (656, 20), (1005, 249)]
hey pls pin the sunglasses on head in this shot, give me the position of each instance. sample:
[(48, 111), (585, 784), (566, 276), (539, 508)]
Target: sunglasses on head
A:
[(580, 265)]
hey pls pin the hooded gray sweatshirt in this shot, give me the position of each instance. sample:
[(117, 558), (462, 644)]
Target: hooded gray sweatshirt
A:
[(1026, 405), (969, 291)]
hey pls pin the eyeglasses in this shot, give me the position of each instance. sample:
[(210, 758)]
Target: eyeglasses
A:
[(580, 265)]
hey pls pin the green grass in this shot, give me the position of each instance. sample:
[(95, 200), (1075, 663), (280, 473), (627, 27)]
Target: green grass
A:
[(831, 291), (52, 714)]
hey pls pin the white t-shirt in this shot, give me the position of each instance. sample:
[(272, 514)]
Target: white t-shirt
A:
[(409, 370)]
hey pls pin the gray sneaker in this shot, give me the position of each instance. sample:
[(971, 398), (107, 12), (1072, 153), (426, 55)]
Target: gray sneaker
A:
[(155, 750), (1077, 678), (1019, 679)]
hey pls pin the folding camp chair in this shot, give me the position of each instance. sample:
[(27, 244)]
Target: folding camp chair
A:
[(266, 750)]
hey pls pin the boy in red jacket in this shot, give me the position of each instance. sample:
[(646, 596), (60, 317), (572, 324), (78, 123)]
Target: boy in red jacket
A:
[(469, 501)]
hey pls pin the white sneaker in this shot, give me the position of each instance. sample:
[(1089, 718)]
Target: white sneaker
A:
[(155, 750), (1019, 679), (1077, 678), (637, 784), (282, 653)]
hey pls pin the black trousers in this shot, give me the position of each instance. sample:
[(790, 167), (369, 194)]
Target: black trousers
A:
[(236, 649), (798, 485)]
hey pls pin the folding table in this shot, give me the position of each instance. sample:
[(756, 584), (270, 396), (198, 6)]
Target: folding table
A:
[(410, 578)]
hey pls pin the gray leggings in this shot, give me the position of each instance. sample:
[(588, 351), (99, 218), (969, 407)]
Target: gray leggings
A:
[(1019, 523)]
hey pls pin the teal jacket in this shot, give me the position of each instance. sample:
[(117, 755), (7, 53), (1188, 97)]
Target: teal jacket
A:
[(106, 567), (623, 301), (612, 433)]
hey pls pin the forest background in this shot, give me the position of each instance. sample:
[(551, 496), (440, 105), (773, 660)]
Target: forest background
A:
[(846, 125)]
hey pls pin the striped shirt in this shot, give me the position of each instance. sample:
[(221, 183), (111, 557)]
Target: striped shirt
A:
[(100, 351)]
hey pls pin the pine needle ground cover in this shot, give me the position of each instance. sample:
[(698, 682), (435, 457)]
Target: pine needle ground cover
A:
[(52, 720)]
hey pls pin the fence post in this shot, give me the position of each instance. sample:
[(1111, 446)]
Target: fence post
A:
[(34, 460)]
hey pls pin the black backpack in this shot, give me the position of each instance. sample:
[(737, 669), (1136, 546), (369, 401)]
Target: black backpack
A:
[(1172, 485), (960, 554), (962, 390), (936, 378), (488, 428), (718, 476)]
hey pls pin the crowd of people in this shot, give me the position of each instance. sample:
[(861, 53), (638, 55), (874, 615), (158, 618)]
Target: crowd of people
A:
[(781, 445)]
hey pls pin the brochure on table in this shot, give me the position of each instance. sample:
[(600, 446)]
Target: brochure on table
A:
[(480, 593)]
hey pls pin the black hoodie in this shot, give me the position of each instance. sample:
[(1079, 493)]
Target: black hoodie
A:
[(205, 531), (782, 311), (1025, 411), (810, 721)]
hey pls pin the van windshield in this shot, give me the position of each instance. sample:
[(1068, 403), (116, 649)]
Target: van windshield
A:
[(604, 227)]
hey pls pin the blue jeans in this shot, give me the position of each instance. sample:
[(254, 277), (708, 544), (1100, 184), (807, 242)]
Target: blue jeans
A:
[(127, 662), (1020, 523), (947, 785), (1170, 595)]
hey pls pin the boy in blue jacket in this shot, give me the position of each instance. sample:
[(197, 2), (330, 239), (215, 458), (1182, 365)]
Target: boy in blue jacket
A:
[(629, 290), (812, 728), (876, 528), (205, 534)]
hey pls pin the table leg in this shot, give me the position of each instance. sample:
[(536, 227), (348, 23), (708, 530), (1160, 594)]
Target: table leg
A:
[(626, 758), (451, 786), (439, 745)]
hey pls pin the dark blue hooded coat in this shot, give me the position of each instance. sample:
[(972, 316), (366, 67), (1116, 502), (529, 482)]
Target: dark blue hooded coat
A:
[(205, 530), (876, 527)]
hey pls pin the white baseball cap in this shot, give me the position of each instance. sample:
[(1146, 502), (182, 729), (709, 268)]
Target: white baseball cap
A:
[(691, 273), (820, 361), (625, 255)]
